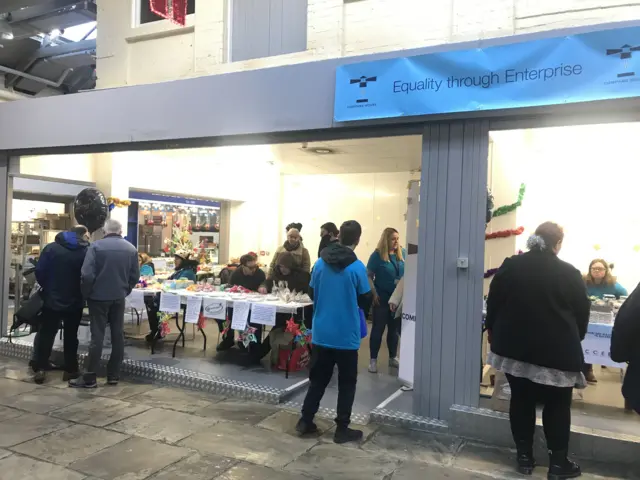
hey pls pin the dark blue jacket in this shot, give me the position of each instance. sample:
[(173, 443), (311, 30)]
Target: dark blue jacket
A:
[(58, 272)]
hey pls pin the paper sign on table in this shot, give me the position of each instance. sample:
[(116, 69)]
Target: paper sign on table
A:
[(214, 308), (240, 315), (263, 313), (169, 302), (160, 264), (193, 309), (136, 299)]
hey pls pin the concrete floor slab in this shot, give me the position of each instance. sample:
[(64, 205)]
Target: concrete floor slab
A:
[(196, 467), (246, 471), (70, 444), (173, 399), (17, 467), (44, 400), (133, 459), (99, 411), (236, 410), (163, 425), (27, 427), (249, 443), (10, 387)]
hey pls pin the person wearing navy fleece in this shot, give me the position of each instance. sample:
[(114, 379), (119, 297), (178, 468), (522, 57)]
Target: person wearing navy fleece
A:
[(339, 288), (58, 273)]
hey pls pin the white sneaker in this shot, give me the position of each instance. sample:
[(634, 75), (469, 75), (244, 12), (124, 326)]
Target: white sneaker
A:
[(373, 366), (393, 362)]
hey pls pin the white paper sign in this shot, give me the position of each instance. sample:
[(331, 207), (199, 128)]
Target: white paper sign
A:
[(136, 299), (214, 308), (240, 315), (597, 346), (169, 302), (263, 313), (160, 264), (193, 309)]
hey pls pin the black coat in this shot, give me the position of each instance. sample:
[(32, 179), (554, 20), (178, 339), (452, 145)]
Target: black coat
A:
[(624, 346), (58, 272), (538, 311), (250, 282), (297, 280)]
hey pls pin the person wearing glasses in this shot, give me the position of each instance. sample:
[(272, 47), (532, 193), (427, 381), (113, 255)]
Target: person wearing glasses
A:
[(600, 282)]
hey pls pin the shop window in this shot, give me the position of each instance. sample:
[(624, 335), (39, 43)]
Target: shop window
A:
[(265, 28), (147, 16)]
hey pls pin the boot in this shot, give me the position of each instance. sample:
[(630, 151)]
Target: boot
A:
[(346, 434), (560, 467), (304, 427), (525, 460), (373, 366), (589, 375), (88, 380), (226, 343)]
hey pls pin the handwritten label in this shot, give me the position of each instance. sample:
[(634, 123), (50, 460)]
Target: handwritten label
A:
[(240, 315), (169, 302), (214, 308), (136, 299), (193, 309), (264, 314)]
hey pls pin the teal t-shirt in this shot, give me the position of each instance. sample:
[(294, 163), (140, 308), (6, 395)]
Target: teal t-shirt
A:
[(386, 275), (601, 290)]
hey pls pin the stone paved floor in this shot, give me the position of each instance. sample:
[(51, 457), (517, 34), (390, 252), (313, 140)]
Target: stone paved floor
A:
[(139, 431)]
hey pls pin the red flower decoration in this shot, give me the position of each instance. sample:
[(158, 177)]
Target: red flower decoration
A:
[(504, 233)]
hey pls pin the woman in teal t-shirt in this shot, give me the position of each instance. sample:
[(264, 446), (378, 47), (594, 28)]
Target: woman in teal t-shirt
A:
[(600, 282), (385, 269)]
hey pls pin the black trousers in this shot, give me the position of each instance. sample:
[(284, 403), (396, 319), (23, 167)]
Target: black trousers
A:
[(322, 362), (153, 305), (51, 320), (384, 317), (556, 413)]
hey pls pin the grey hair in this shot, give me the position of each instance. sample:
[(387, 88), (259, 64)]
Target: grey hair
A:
[(536, 242), (112, 226)]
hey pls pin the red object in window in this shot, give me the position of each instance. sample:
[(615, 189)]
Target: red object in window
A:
[(160, 7), (179, 12)]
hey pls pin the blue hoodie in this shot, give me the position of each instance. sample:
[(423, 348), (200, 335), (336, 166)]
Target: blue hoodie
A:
[(58, 272)]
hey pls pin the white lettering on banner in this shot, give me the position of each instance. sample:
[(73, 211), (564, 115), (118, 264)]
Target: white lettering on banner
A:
[(214, 308), (240, 315), (136, 299), (263, 313), (596, 346), (169, 302), (194, 304)]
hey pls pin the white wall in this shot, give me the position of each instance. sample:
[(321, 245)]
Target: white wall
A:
[(376, 200), (27, 210), (585, 179), (67, 167), (129, 55)]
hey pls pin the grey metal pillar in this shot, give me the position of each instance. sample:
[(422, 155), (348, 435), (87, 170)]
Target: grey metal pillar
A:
[(6, 196), (449, 298)]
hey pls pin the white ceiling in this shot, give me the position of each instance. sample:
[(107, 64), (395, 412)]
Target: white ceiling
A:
[(371, 155)]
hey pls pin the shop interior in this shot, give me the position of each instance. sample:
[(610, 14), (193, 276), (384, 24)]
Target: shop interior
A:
[(224, 202)]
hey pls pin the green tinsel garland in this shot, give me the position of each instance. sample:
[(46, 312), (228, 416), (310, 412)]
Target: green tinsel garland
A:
[(503, 210)]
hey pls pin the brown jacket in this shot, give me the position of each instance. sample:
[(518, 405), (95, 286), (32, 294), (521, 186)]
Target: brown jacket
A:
[(301, 255)]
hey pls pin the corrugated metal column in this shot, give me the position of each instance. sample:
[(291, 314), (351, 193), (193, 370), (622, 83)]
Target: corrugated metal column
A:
[(449, 306), (6, 195)]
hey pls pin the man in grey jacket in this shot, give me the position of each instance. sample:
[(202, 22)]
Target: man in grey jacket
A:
[(109, 272)]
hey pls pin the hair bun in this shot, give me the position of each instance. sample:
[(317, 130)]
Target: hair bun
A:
[(536, 242)]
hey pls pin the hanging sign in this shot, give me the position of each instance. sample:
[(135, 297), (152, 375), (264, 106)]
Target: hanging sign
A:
[(592, 66), (597, 345)]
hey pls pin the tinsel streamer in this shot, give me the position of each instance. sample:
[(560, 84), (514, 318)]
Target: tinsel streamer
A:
[(503, 210), (504, 233)]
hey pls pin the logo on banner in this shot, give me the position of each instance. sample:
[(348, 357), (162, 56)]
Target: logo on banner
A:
[(362, 83), (625, 53)]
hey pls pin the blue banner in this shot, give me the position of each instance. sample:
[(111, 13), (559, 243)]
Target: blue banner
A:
[(175, 199), (580, 68)]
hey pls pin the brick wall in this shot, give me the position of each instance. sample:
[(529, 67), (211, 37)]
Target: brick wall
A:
[(129, 55)]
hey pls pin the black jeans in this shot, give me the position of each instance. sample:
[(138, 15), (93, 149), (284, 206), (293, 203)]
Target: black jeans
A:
[(384, 317), (103, 313), (49, 327), (556, 413), (322, 362), (153, 304)]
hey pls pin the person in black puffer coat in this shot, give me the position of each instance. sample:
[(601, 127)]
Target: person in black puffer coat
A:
[(58, 273)]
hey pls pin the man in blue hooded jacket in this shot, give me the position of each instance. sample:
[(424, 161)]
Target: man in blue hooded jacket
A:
[(58, 273)]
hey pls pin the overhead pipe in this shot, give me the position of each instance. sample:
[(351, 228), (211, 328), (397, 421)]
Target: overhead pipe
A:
[(44, 81)]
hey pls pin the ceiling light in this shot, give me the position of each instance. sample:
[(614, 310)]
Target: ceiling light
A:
[(55, 33), (322, 151)]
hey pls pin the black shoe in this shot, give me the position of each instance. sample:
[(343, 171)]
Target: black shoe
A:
[(306, 428), (560, 467), (66, 376), (40, 377), (84, 381), (113, 380), (346, 434), (226, 343), (526, 463)]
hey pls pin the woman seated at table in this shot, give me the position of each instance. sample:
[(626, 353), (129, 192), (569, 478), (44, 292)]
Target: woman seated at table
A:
[(147, 268), (184, 269), (248, 276), (287, 272), (600, 282)]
